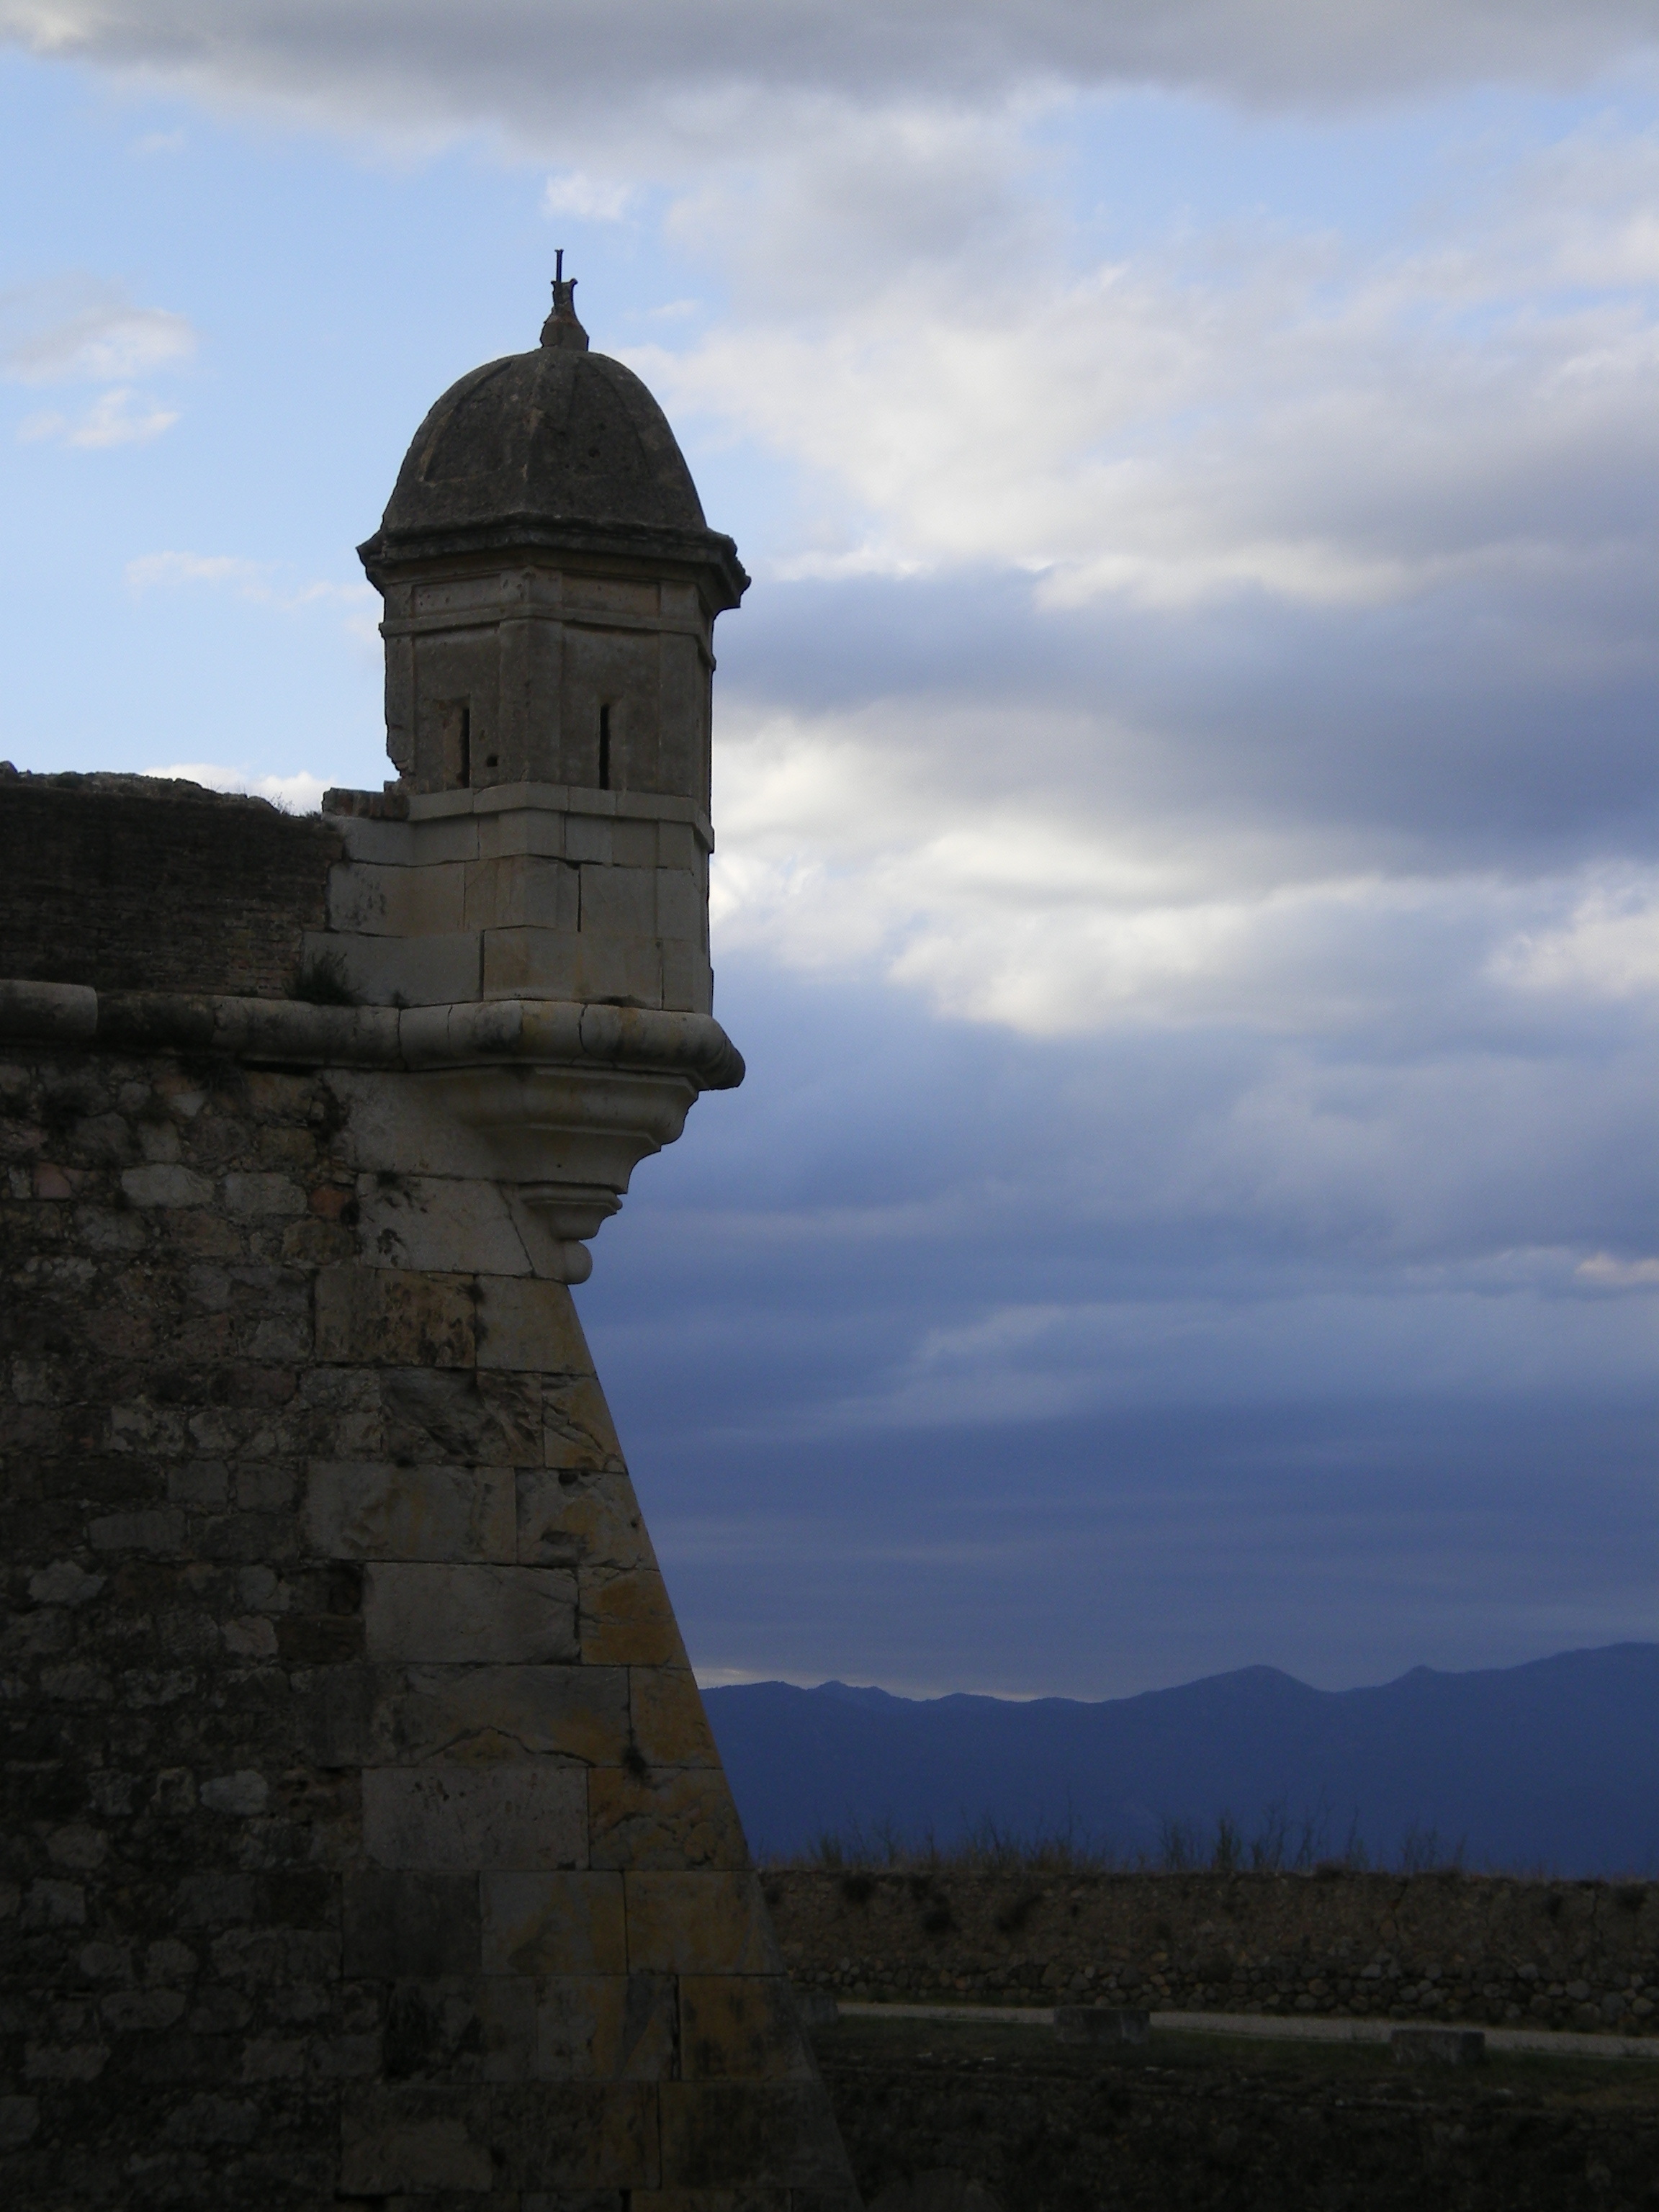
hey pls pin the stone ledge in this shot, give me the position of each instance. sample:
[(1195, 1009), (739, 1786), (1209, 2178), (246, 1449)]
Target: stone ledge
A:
[(529, 1032)]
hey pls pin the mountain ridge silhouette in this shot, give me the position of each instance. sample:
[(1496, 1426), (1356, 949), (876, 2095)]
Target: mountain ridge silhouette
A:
[(1551, 1765)]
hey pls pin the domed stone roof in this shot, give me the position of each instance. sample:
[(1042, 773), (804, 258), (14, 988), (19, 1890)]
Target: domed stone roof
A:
[(556, 444)]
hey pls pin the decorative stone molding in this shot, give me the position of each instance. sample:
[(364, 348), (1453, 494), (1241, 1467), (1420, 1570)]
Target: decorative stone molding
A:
[(552, 1104)]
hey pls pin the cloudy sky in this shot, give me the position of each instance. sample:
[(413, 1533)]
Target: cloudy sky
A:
[(1186, 778)]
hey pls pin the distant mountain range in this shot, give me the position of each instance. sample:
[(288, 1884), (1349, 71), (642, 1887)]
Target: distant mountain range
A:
[(1550, 1767)]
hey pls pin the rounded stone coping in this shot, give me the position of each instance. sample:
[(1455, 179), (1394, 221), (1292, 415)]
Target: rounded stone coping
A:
[(536, 1032)]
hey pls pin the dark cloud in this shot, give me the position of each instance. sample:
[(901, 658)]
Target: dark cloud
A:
[(536, 65), (1482, 725)]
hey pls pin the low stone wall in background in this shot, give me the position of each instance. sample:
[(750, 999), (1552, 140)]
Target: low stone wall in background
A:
[(1437, 1947)]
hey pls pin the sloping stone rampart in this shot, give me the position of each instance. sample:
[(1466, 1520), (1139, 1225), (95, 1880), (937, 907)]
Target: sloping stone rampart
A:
[(1429, 1947), (365, 1840)]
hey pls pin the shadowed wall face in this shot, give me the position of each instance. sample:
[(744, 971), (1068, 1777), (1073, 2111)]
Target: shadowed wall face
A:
[(366, 1832), (129, 884)]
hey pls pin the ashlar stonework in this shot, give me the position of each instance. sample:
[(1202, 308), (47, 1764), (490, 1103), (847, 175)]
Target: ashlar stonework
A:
[(365, 1840)]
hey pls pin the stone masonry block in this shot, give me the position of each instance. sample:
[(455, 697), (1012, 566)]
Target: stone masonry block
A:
[(681, 905), (378, 1317), (670, 1728), (688, 982), (373, 900), (740, 2027), (452, 1613), (626, 1620), (698, 1923), (480, 2028), (620, 971), (682, 1818), (587, 837), (532, 963), (489, 1419), (538, 830), (578, 1430), (409, 971), (521, 1817), (448, 1224), (554, 1924), (470, 1715), (678, 845), (618, 902), (524, 890), (423, 1924), (605, 2027), (530, 1327), (581, 1519), (420, 2137), (376, 1511), (578, 2135), (633, 844)]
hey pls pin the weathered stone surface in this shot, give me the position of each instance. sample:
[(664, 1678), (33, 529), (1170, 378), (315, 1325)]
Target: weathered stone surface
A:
[(373, 1318), (740, 2027), (581, 1519), (456, 1818), (670, 1819), (698, 1923), (370, 1510), (554, 1924), (611, 2028), (422, 2137), (472, 1419), (530, 1328), (670, 1728), (477, 1715), (133, 883), (626, 1620), (472, 1614), (481, 2028), (579, 2135), (411, 1923)]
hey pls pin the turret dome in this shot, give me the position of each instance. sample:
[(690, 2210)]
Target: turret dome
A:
[(541, 445)]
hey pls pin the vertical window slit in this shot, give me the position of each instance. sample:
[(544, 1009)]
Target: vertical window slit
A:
[(466, 746), (605, 749)]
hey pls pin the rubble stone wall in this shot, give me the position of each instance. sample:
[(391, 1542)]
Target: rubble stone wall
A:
[(1432, 1947)]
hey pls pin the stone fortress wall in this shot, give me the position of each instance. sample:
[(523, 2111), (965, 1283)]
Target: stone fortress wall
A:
[(1434, 1947), (363, 1836)]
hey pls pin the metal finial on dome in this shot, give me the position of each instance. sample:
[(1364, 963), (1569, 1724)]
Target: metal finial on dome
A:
[(562, 328)]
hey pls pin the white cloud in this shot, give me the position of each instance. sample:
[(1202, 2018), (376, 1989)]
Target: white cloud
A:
[(591, 199), (300, 793), (1608, 947), (120, 417), (920, 844), (1215, 414), (76, 329), (255, 580)]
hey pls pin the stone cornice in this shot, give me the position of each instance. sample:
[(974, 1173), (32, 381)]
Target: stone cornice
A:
[(528, 1032)]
